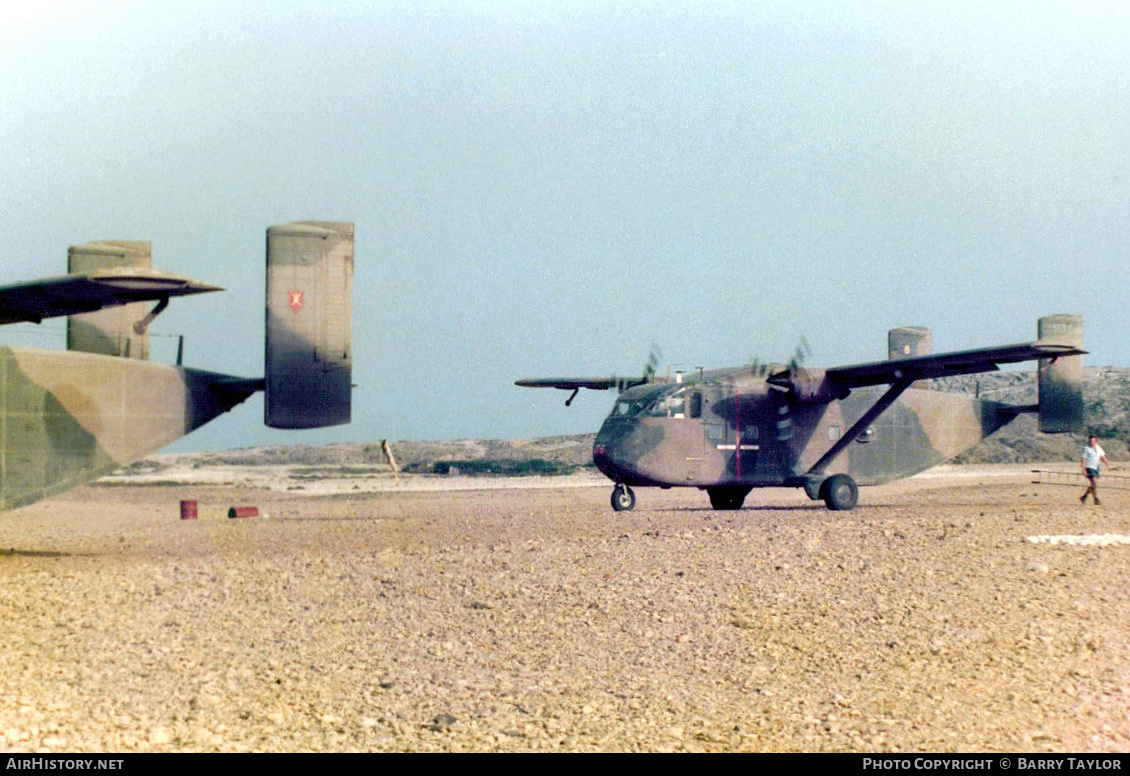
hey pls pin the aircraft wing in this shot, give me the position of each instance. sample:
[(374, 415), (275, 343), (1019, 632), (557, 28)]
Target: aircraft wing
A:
[(90, 291), (574, 384), (945, 364), (570, 383)]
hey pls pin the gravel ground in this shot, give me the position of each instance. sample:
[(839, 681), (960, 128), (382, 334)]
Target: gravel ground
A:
[(537, 619)]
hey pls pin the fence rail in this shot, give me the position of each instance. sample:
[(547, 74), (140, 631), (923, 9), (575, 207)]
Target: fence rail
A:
[(1077, 480)]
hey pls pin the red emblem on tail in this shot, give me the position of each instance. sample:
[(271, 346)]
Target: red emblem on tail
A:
[(296, 300)]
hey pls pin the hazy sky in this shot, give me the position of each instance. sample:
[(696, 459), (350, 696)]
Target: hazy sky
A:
[(547, 188)]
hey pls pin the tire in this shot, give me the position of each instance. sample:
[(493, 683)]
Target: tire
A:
[(623, 499), (727, 498), (839, 492)]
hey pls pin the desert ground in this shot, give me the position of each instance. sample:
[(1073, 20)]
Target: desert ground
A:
[(525, 615)]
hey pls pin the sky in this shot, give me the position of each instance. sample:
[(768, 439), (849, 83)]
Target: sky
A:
[(552, 188)]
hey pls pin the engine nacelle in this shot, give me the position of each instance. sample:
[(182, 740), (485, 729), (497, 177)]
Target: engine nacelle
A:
[(810, 386)]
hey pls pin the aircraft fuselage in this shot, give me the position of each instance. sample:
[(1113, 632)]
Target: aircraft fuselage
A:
[(67, 417), (736, 430)]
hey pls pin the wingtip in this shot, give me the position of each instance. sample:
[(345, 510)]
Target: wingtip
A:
[(1059, 348), (147, 279)]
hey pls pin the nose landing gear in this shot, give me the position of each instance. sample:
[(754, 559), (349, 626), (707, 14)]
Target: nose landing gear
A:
[(623, 498)]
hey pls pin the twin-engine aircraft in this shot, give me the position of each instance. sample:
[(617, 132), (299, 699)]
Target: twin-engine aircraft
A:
[(825, 430), (71, 416)]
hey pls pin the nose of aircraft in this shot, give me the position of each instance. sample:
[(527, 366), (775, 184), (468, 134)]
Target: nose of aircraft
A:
[(604, 451), (603, 460), (611, 450)]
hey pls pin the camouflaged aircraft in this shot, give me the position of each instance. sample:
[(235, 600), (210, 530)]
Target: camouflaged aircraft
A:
[(71, 416), (825, 430)]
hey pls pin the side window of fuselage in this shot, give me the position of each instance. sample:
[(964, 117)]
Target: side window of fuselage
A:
[(694, 404)]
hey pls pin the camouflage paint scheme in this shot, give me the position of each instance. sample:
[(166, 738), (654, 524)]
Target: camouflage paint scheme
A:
[(732, 430), (68, 417), (749, 434)]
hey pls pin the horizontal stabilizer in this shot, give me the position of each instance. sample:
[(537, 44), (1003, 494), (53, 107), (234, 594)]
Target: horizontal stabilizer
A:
[(238, 386)]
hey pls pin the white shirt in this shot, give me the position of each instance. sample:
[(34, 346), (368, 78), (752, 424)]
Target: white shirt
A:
[(1092, 456)]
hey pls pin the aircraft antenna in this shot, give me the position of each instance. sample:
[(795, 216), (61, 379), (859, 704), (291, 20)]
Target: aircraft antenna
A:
[(653, 357)]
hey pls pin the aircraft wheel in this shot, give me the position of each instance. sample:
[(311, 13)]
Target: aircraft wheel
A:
[(727, 498), (623, 499), (839, 492)]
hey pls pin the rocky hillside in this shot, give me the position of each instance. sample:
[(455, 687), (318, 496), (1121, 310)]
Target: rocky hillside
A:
[(1106, 399), (1106, 396), (557, 454)]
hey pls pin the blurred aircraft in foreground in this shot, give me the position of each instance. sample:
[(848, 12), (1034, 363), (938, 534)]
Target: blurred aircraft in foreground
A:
[(68, 417)]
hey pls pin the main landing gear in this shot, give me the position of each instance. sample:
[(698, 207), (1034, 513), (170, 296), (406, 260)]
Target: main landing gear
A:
[(839, 492), (623, 498), (727, 498)]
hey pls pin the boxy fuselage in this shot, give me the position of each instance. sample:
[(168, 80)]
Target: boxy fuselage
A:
[(825, 430), (732, 428)]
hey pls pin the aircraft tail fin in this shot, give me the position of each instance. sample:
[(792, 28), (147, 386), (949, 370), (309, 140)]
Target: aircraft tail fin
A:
[(309, 345), (109, 332), (908, 341), (1061, 379)]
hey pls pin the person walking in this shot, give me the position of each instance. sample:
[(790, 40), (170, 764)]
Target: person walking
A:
[(1093, 455)]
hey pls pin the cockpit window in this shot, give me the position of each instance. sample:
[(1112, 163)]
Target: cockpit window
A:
[(669, 402), (669, 405), (626, 408)]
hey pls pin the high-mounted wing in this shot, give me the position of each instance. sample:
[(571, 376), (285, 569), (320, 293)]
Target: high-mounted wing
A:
[(575, 384), (90, 291), (946, 364), (824, 385), (572, 383), (900, 373)]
